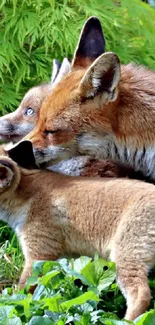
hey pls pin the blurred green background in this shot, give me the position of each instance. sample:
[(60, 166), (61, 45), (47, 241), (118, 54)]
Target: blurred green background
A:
[(33, 32)]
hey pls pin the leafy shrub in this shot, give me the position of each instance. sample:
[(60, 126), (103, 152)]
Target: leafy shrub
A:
[(33, 32), (67, 292)]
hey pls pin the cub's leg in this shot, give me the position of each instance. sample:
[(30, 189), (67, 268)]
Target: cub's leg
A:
[(133, 282), (134, 254), (39, 241)]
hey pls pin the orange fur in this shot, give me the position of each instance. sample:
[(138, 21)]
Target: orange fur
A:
[(130, 117), (100, 108), (128, 121)]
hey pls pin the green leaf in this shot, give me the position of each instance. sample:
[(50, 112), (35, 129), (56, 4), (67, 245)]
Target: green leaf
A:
[(21, 300), (100, 273), (146, 319), (39, 320), (79, 300), (80, 263), (52, 303), (114, 322), (48, 276), (7, 316)]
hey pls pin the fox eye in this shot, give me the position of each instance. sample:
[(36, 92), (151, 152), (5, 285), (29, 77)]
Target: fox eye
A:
[(29, 111), (50, 131)]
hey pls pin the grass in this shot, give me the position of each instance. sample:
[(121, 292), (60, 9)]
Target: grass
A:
[(11, 258)]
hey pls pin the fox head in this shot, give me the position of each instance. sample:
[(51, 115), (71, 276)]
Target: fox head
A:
[(90, 46), (100, 108), (14, 126)]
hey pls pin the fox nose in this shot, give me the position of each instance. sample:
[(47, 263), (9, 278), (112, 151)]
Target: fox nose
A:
[(11, 128), (22, 153)]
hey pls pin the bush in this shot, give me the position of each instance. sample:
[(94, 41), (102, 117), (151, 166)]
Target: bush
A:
[(33, 32), (79, 292)]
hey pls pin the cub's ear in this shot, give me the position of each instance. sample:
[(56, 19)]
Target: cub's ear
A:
[(55, 70), (63, 71), (102, 77), (91, 44), (6, 173), (22, 153)]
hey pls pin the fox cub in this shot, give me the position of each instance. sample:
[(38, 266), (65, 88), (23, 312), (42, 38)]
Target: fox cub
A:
[(56, 215), (14, 126)]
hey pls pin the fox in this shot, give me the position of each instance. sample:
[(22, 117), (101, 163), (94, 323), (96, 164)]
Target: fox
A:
[(101, 108), (55, 215), (14, 126)]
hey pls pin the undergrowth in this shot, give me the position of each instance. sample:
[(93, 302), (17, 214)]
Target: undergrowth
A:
[(79, 292)]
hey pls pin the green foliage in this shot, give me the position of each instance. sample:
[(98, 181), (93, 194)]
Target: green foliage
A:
[(33, 32), (66, 293), (11, 258)]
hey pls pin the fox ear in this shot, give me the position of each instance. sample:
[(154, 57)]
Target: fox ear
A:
[(55, 70), (6, 173), (91, 44), (63, 71), (22, 153), (102, 77)]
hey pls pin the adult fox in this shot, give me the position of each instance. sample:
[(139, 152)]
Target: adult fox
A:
[(56, 215), (14, 126), (100, 109)]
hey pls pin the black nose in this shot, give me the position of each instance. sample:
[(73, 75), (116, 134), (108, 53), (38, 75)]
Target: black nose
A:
[(22, 153), (11, 128)]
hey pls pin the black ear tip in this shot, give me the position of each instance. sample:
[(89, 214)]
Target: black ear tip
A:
[(22, 154), (93, 24), (93, 21), (91, 43)]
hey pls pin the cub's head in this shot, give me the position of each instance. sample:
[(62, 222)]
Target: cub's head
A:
[(72, 109), (16, 125)]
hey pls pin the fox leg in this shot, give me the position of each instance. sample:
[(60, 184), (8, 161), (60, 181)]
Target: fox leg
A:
[(133, 282), (133, 251), (39, 241), (27, 271)]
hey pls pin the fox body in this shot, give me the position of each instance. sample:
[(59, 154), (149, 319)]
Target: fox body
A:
[(56, 215), (101, 109)]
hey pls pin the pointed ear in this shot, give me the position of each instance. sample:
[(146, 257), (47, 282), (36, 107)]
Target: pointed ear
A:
[(91, 44), (102, 77), (6, 173), (22, 153), (64, 70), (55, 70)]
